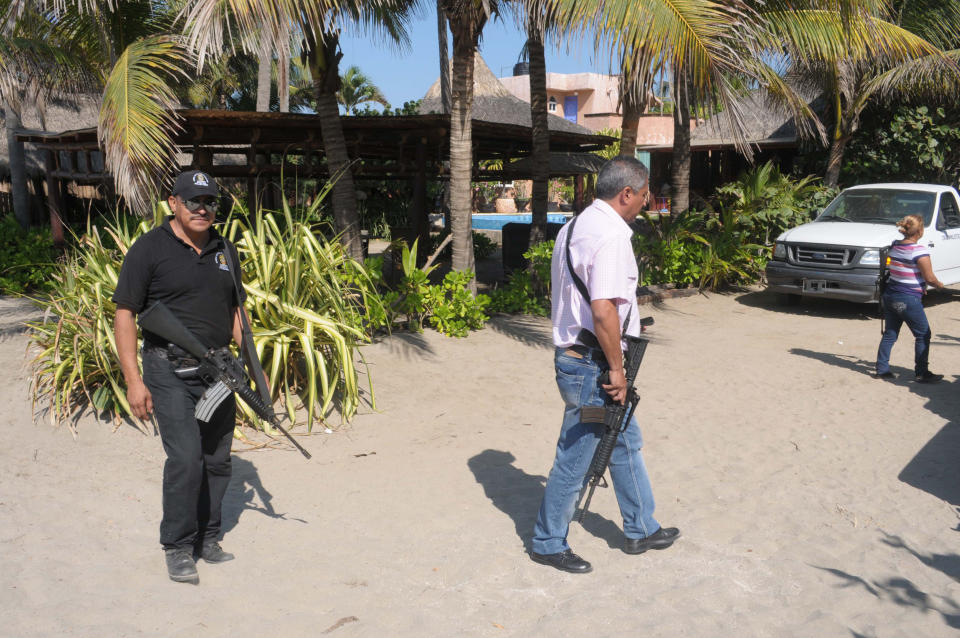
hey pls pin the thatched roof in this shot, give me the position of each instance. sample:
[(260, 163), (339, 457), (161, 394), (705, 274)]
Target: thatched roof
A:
[(561, 165), (767, 125), (60, 115), (492, 102)]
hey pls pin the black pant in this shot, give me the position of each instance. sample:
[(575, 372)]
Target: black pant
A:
[(197, 469)]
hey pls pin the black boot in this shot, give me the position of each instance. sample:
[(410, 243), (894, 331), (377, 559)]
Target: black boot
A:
[(181, 566), (211, 552)]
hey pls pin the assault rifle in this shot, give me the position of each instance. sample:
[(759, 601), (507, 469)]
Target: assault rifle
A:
[(223, 373), (613, 417)]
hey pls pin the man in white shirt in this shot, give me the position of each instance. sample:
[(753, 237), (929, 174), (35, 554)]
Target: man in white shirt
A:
[(588, 318)]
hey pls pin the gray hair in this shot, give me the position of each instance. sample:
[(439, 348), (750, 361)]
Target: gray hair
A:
[(619, 173)]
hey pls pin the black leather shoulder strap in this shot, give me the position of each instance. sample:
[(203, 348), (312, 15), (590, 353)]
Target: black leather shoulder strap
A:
[(576, 279), (247, 347)]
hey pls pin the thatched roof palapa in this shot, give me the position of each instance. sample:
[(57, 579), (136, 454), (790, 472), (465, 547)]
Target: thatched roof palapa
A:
[(768, 126), (60, 115), (492, 102)]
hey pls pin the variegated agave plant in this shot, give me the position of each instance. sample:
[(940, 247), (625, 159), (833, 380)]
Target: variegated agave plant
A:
[(310, 306)]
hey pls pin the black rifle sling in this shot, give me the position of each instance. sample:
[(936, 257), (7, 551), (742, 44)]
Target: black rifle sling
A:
[(248, 347), (582, 287)]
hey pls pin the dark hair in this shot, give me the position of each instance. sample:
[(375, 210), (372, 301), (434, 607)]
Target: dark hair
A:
[(619, 173)]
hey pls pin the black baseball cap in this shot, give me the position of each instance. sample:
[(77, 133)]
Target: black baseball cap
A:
[(191, 184)]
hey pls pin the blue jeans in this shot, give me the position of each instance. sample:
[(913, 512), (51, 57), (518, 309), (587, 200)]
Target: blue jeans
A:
[(897, 309), (579, 384)]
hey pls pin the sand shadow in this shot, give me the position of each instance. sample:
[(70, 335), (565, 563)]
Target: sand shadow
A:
[(947, 564), (830, 308), (518, 495), (904, 592), (244, 491), (834, 308), (527, 329), (408, 344), (934, 468)]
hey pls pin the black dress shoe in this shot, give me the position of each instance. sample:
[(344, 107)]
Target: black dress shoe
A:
[(213, 553), (181, 566), (660, 539), (885, 375), (928, 377), (565, 561)]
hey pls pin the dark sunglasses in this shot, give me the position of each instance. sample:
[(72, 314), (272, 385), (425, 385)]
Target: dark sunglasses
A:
[(193, 205)]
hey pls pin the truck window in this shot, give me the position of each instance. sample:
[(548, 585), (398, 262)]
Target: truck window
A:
[(949, 216)]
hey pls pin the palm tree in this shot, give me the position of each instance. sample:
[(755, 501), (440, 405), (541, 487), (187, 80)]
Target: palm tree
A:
[(697, 40), (466, 19), (357, 89), (135, 147), (866, 47), (67, 51), (538, 20)]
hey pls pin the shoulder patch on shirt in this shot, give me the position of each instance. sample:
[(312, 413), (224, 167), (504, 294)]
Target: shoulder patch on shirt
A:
[(222, 261)]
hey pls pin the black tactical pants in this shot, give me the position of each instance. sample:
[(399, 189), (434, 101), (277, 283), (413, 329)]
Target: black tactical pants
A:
[(197, 469)]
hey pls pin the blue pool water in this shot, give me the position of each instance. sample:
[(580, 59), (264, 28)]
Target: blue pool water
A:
[(496, 221)]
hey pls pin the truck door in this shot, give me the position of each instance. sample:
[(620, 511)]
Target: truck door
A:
[(944, 240)]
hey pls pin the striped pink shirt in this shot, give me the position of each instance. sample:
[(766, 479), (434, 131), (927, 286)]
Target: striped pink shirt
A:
[(904, 274), (603, 258)]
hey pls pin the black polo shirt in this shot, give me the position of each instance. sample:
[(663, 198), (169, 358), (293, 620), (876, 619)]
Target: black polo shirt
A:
[(195, 287)]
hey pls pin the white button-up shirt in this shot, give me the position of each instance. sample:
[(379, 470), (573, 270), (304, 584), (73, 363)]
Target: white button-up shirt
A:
[(603, 258)]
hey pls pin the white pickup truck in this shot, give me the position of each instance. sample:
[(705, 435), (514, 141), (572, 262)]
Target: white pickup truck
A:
[(837, 255)]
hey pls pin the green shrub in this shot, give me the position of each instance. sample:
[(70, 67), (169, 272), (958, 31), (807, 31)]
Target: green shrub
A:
[(450, 306), (454, 310), (310, 308), (766, 202), (27, 258), (527, 291)]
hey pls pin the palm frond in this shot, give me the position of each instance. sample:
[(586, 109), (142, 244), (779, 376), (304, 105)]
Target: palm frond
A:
[(137, 118), (703, 41), (929, 76)]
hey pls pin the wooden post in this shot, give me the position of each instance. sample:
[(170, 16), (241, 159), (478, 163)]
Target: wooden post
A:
[(421, 218), (54, 201), (578, 193)]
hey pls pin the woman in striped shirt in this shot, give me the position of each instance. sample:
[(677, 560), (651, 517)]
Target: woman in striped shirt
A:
[(910, 274)]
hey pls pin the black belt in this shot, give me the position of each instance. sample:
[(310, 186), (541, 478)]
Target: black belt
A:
[(176, 355)]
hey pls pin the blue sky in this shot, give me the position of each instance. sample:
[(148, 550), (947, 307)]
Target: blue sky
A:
[(407, 75)]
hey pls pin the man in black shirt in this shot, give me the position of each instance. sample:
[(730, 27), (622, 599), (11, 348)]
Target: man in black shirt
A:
[(186, 265)]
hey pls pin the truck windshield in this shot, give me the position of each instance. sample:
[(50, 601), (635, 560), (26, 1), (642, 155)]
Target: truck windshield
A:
[(879, 206)]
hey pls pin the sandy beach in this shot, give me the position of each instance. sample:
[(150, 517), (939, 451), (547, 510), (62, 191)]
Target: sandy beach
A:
[(813, 499)]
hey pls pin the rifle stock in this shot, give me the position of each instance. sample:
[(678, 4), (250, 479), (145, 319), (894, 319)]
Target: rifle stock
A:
[(160, 321)]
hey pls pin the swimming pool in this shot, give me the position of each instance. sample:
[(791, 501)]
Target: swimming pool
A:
[(496, 221)]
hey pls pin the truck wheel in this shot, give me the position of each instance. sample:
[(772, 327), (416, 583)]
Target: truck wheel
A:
[(788, 299)]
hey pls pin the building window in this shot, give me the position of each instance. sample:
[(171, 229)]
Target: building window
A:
[(552, 105)]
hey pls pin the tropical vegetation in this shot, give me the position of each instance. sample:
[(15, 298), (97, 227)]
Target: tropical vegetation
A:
[(311, 307)]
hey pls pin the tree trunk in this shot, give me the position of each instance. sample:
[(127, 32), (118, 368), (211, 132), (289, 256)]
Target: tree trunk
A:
[(680, 169), (263, 83), (283, 81), (325, 69), (541, 135), (835, 160), (444, 58), (629, 128), (18, 168), (466, 31)]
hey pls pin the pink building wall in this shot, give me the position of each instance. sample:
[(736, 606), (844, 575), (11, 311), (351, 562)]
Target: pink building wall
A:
[(597, 97)]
